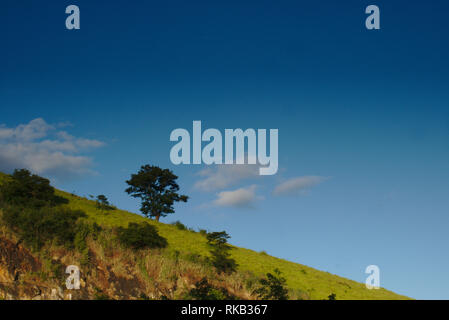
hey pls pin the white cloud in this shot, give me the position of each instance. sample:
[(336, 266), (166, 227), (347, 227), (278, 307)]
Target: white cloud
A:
[(38, 147), (225, 175), (241, 198), (35, 129), (297, 186)]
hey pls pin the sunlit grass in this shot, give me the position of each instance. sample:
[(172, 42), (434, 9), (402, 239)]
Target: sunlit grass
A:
[(317, 284)]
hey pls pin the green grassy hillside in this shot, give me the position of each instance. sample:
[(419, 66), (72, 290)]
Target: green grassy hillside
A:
[(317, 284)]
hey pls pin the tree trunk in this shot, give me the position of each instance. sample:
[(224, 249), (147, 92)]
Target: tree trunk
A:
[(157, 217)]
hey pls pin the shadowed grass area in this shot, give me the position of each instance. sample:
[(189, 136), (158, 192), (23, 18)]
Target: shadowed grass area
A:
[(317, 284)]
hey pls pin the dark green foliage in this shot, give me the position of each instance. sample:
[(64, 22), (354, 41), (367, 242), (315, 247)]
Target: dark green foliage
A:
[(83, 231), (36, 226), (29, 190), (178, 224), (218, 239), (103, 203), (205, 291), (31, 209), (157, 189), (140, 236), (219, 249), (203, 232), (273, 287), (332, 296)]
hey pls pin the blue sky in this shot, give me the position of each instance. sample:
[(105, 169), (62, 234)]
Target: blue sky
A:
[(367, 112)]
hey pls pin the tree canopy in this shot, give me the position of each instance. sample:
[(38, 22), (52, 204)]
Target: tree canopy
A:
[(157, 189), (29, 190)]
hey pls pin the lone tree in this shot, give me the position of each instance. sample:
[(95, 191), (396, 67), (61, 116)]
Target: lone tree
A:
[(157, 189), (219, 249)]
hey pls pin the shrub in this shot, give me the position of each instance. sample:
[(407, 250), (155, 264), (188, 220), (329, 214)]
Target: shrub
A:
[(83, 231), (205, 291), (140, 236), (36, 226), (332, 296), (272, 287), (29, 191), (178, 224), (103, 203), (219, 249)]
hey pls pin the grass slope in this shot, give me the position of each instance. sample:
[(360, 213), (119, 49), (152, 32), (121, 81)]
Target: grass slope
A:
[(318, 284)]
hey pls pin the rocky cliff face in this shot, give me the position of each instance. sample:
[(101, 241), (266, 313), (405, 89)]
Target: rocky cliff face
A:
[(21, 278), (118, 275), (14, 262)]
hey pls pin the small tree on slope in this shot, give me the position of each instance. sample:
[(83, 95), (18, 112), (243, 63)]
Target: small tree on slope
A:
[(272, 287), (219, 249)]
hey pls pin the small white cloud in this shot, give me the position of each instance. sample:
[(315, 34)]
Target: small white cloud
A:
[(241, 198), (226, 175), (78, 142), (37, 147), (297, 186)]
